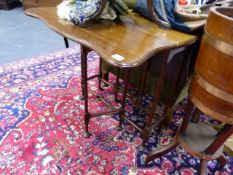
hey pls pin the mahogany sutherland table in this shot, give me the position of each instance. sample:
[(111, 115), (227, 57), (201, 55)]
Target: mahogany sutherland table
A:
[(126, 43)]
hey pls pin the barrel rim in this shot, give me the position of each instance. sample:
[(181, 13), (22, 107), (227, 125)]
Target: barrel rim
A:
[(216, 12)]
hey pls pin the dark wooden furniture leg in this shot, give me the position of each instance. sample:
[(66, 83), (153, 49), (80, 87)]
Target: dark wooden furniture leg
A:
[(116, 84), (222, 135), (157, 92), (222, 160), (196, 115), (100, 74), (123, 101), (174, 86), (105, 75), (142, 83), (66, 42), (203, 167), (84, 84), (84, 52), (187, 118)]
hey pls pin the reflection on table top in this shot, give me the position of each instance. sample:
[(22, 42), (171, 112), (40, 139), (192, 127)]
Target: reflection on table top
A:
[(126, 42)]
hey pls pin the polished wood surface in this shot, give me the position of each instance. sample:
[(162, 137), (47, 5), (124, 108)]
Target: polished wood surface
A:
[(132, 37), (211, 89)]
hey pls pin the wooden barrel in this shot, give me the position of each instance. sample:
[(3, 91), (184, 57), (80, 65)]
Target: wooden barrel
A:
[(211, 89)]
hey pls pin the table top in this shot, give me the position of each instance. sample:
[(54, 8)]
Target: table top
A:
[(126, 42)]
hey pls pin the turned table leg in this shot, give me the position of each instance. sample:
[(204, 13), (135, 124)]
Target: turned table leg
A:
[(84, 52), (157, 93), (123, 101)]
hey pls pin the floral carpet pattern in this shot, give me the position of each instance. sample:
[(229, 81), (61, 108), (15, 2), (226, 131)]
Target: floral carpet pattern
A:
[(42, 127)]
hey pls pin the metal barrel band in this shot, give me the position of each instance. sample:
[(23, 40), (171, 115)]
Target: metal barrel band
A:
[(219, 45), (213, 90)]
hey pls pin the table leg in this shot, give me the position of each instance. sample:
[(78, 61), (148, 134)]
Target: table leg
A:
[(195, 116), (175, 86), (203, 167), (157, 92), (187, 118), (142, 83), (100, 74), (222, 135), (66, 42), (222, 160), (84, 52), (123, 101), (117, 84), (82, 73)]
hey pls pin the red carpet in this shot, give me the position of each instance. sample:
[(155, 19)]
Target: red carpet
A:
[(42, 128)]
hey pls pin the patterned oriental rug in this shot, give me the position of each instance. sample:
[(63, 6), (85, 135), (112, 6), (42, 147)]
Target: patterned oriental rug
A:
[(42, 127)]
